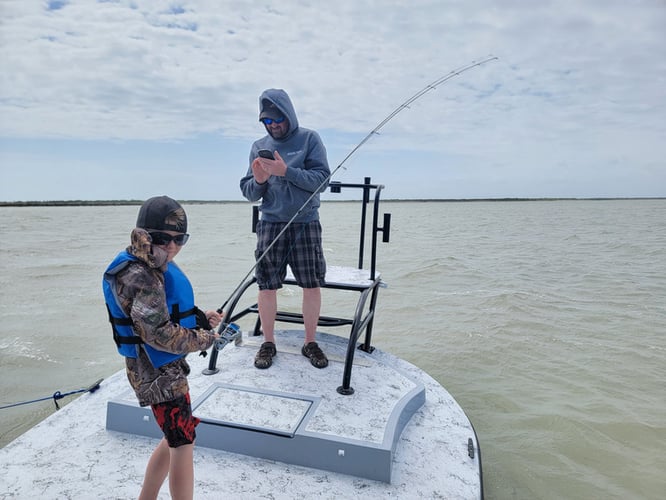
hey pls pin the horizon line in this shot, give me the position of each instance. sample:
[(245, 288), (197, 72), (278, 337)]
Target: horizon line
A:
[(119, 202)]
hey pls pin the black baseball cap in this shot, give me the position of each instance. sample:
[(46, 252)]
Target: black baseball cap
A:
[(162, 213), (270, 110)]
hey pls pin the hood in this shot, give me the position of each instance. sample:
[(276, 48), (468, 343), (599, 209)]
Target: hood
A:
[(143, 249), (280, 98)]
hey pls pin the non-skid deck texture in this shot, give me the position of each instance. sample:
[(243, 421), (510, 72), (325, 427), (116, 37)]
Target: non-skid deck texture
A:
[(292, 411), (72, 455)]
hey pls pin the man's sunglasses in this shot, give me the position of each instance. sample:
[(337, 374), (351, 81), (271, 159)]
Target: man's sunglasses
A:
[(160, 238), (268, 121)]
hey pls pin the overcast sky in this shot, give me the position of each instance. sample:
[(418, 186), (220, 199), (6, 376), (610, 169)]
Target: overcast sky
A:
[(126, 99)]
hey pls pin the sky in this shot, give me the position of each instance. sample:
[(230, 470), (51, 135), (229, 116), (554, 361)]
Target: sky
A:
[(128, 99)]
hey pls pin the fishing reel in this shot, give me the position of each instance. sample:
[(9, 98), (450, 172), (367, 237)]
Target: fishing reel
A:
[(232, 333)]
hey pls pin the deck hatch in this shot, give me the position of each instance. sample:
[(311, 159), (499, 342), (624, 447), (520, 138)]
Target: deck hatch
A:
[(245, 408)]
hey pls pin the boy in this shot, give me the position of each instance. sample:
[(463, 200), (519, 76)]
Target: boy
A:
[(155, 324)]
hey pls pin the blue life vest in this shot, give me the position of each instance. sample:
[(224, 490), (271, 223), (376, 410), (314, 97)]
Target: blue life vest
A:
[(180, 299)]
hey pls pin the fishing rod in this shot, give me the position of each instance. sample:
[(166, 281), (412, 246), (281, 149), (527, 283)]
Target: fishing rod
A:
[(374, 131)]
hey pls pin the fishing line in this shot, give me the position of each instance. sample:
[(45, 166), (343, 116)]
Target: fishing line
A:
[(374, 131)]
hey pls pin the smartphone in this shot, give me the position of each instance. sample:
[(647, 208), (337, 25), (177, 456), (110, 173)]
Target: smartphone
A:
[(266, 153)]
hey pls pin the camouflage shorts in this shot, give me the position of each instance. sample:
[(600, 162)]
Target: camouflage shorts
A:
[(176, 421)]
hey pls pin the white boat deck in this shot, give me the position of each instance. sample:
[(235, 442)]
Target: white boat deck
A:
[(342, 276), (73, 455)]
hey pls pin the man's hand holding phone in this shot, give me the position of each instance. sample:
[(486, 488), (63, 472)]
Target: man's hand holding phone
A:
[(271, 163)]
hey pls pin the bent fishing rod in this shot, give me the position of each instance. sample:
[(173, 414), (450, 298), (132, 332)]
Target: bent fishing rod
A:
[(374, 131)]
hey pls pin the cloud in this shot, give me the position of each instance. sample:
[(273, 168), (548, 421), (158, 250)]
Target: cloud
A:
[(576, 83)]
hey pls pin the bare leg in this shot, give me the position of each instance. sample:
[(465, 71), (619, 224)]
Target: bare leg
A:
[(181, 472), (267, 311), (311, 310), (156, 471)]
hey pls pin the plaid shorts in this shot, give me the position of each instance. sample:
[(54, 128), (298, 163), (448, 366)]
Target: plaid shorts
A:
[(176, 421), (300, 246)]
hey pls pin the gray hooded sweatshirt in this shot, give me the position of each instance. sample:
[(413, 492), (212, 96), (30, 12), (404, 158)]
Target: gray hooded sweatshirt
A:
[(307, 168)]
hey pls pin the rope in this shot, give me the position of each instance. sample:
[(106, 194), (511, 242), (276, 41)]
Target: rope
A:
[(56, 396)]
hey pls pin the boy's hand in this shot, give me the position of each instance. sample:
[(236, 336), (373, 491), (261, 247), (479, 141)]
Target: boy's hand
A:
[(214, 318)]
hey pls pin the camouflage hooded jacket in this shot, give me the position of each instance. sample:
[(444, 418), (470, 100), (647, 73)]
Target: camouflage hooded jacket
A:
[(140, 287)]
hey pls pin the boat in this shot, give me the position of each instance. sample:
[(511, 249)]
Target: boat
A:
[(370, 424)]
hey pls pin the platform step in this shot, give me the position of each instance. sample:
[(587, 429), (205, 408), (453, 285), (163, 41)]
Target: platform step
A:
[(255, 343)]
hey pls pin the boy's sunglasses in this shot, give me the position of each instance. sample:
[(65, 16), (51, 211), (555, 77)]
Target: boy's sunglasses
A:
[(160, 238), (268, 121)]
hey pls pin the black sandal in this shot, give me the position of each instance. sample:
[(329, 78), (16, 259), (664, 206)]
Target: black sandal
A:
[(264, 357), (317, 357)]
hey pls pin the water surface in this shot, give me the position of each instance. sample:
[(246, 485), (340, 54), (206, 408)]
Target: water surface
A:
[(545, 319)]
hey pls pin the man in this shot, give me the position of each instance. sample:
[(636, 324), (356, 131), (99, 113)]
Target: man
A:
[(298, 173)]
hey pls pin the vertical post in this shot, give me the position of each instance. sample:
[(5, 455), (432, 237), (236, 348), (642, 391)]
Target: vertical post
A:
[(364, 204)]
